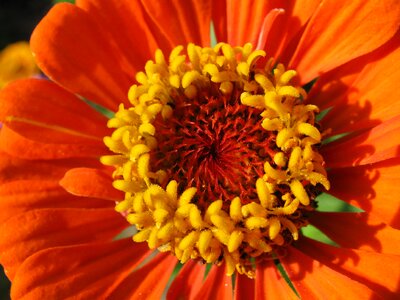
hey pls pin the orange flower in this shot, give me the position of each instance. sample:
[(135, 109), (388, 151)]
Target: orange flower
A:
[(61, 236), (16, 62)]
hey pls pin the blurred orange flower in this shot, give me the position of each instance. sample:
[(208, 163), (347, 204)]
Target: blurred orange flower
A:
[(196, 128), (16, 62)]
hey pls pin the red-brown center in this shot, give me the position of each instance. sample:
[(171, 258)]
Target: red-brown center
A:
[(215, 144)]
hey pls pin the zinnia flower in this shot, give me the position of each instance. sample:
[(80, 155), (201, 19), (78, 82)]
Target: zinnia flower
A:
[(210, 156)]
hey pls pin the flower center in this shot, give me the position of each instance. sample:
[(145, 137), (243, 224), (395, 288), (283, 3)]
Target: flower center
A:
[(214, 143), (217, 156)]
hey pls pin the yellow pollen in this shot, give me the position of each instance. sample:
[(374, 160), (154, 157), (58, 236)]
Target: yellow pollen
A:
[(235, 230)]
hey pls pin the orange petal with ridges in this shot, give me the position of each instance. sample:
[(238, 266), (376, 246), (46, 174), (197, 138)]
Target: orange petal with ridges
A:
[(127, 30), (87, 271), (46, 102), (266, 26), (20, 146), (219, 20), (188, 282), (88, 182), (341, 31), (148, 282), (358, 231), (244, 287), (370, 187), (270, 284), (23, 195), (335, 87), (217, 286), (370, 99), (42, 111), (179, 23), (284, 32), (332, 86), (30, 232), (376, 270), (12, 168), (314, 280), (71, 48), (378, 144), (245, 19), (245, 22)]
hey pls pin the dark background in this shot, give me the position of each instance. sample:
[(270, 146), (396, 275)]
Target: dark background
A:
[(19, 17)]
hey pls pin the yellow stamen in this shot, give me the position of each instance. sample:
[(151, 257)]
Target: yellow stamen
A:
[(236, 210)]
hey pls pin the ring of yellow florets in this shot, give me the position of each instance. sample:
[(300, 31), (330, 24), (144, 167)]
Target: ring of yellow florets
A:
[(173, 222)]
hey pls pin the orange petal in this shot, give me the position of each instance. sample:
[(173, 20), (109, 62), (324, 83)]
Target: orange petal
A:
[(244, 287), (378, 144), (30, 232), (88, 182), (26, 185), (332, 86), (359, 231), (42, 111), (370, 99), (88, 271), (217, 285), (339, 32), (335, 87), (148, 282), (71, 48), (12, 168), (371, 188), (20, 146), (180, 23), (378, 271), (188, 282), (266, 26), (219, 20), (285, 30), (317, 281), (245, 19), (23, 195), (127, 30), (270, 284)]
